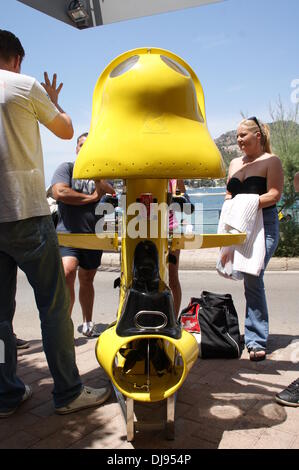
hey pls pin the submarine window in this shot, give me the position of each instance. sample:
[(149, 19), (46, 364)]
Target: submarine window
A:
[(124, 66), (175, 66)]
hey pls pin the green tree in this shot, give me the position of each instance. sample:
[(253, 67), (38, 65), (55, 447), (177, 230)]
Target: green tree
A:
[(285, 142)]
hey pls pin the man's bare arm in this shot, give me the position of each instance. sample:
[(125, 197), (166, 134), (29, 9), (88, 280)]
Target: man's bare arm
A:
[(103, 187), (63, 193), (61, 125)]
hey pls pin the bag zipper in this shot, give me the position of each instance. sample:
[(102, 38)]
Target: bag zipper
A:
[(230, 337), (235, 342)]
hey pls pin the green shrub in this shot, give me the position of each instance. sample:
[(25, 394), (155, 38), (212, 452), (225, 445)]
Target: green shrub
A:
[(285, 143), (288, 245)]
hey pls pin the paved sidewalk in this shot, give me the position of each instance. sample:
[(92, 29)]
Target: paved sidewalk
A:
[(224, 404)]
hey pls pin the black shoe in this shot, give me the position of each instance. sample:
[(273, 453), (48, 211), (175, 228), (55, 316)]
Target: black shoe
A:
[(21, 343), (289, 396), (27, 394)]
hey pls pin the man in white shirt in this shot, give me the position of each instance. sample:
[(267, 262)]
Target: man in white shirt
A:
[(27, 235)]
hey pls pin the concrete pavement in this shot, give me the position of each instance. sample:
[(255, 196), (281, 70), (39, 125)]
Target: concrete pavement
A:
[(224, 404)]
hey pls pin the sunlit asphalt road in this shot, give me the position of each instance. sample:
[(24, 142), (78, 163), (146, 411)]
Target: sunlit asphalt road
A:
[(282, 290)]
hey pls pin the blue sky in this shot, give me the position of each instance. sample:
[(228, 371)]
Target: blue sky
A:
[(244, 52)]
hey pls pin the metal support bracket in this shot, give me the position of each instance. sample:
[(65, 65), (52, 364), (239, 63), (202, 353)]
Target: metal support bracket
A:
[(132, 425)]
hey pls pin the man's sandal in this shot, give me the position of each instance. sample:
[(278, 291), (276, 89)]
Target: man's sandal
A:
[(257, 354)]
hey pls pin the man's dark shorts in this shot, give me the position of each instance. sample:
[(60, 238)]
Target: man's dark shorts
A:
[(88, 259)]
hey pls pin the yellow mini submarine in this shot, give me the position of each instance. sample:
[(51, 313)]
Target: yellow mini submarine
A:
[(148, 126)]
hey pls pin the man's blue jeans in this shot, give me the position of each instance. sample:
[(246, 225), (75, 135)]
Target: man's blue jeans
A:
[(32, 245), (256, 321)]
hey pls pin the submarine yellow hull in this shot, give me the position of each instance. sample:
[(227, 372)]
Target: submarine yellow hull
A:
[(136, 384)]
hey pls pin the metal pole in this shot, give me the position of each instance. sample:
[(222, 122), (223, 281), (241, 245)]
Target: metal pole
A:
[(130, 419), (170, 417)]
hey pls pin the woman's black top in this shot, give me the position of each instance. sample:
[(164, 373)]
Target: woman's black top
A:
[(251, 185)]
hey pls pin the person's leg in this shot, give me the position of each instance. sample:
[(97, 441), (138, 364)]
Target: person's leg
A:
[(12, 388), (89, 262), (40, 259), (174, 281), (257, 321), (86, 292), (70, 265)]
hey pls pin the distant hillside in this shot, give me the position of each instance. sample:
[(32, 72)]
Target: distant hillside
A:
[(228, 147), (228, 141)]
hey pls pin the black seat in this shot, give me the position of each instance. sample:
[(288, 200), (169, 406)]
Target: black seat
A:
[(148, 307), (146, 276)]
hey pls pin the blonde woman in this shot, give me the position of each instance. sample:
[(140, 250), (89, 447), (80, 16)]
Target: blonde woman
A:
[(258, 171)]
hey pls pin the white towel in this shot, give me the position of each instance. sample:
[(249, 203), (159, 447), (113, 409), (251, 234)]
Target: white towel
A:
[(241, 214)]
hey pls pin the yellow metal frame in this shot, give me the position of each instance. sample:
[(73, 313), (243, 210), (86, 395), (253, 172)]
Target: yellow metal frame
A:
[(107, 352), (207, 240), (148, 125), (111, 242), (140, 118), (109, 342), (89, 241)]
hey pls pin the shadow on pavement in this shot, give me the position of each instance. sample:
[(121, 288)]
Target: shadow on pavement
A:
[(218, 396), (228, 395)]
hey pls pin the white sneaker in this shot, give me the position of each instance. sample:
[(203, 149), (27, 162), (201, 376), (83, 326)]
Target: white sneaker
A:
[(90, 330), (88, 398), (26, 396)]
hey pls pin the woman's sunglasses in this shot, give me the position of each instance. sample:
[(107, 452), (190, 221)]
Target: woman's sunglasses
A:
[(254, 119)]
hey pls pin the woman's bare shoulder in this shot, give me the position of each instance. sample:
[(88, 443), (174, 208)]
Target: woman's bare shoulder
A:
[(271, 156), (273, 163), (236, 162), (272, 159)]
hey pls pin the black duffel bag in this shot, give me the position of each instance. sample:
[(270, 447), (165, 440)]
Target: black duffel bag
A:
[(219, 326)]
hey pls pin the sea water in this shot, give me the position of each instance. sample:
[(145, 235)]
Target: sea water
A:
[(208, 203)]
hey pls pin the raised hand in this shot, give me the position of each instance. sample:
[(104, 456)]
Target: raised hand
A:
[(51, 88)]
